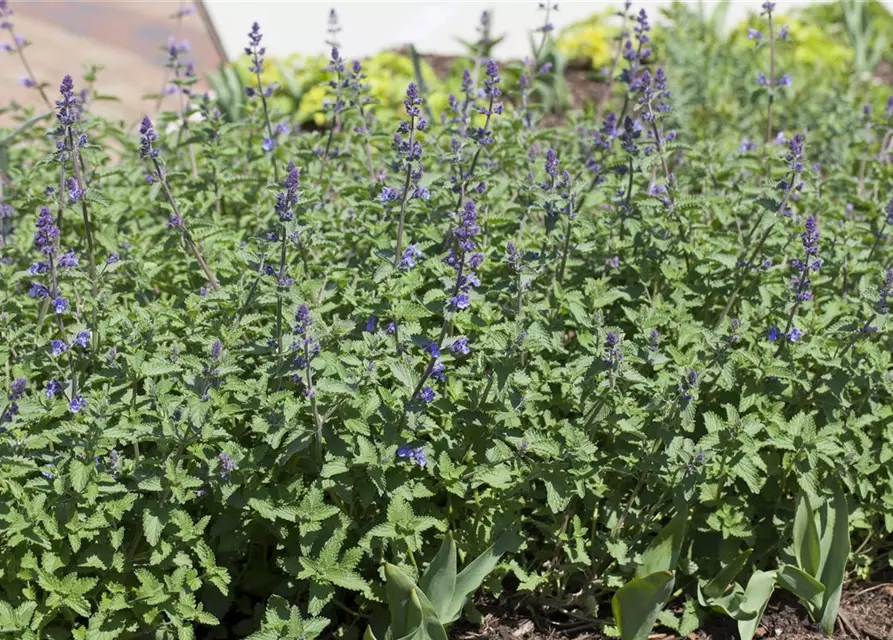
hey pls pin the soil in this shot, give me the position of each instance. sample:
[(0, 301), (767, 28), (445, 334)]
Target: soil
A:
[(866, 613)]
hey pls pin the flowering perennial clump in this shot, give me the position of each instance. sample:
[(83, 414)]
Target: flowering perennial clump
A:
[(249, 369)]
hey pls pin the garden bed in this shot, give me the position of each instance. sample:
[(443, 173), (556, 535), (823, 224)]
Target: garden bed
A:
[(866, 614)]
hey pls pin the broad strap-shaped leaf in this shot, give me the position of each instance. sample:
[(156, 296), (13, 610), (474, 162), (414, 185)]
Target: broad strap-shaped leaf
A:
[(756, 597), (719, 584), (399, 588), (836, 547), (807, 547), (473, 575), (439, 580), (728, 604), (424, 623), (663, 552), (369, 635), (637, 604), (801, 584)]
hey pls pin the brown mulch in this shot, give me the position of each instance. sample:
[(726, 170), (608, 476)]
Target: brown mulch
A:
[(866, 613)]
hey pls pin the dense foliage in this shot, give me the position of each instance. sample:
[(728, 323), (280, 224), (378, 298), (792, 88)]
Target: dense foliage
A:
[(245, 368)]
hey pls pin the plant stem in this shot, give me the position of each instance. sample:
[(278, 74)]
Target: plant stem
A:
[(771, 80), (404, 196), (190, 242)]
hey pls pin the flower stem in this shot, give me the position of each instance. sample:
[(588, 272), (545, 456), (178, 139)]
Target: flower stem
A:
[(190, 242)]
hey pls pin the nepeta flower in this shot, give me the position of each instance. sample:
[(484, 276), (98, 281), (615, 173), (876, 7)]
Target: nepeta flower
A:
[(784, 81), (613, 354), (463, 258), (754, 34), (426, 394), (288, 198), (371, 324), (794, 334), (416, 454), (112, 258), (391, 329), (255, 50), (216, 350), (437, 371), (812, 262), (303, 320), (762, 80), (773, 334), (68, 111), (410, 257), (17, 389), (784, 31), (47, 232), (75, 192), (747, 145), (147, 137), (689, 382), (77, 404), (654, 339), (513, 257), (68, 259), (885, 292), (60, 305), (227, 464), (38, 291), (58, 347), (460, 346), (53, 387), (82, 339)]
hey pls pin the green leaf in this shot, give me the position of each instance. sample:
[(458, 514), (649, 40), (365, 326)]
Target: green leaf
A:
[(801, 584), (80, 473), (718, 585), (152, 527), (637, 604), (663, 552), (807, 549), (756, 597), (471, 577), (836, 547), (368, 635), (439, 580), (399, 588)]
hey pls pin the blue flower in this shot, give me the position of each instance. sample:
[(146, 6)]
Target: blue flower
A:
[(147, 137), (774, 334), (58, 347), (754, 34), (433, 349), (371, 324), (795, 334), (77, 404), (416, 454), (747, 145), (460, 346), (427, 394), (53, 387), (389, 194), (437, 371), (83, 339), (68, 259), (410, 256), (17, 389), (60, 305), (227, 464)]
